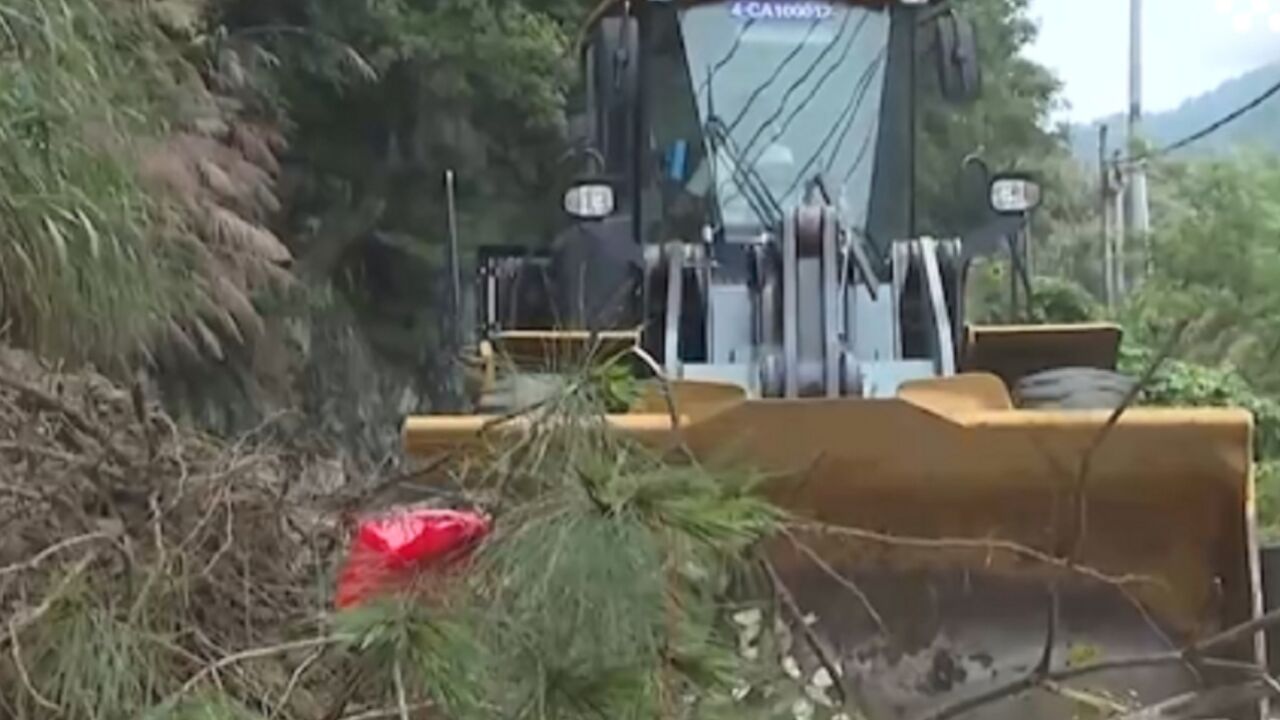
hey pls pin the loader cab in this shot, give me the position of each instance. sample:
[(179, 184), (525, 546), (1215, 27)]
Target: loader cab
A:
[(745, 194), (720, 116)]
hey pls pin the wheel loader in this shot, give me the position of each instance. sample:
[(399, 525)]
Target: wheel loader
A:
[(744, 218)]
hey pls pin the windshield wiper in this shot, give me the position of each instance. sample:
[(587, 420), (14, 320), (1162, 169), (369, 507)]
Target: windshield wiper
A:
[(856, 241), (745, 176)]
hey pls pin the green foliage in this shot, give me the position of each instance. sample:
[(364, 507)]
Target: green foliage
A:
[(1216, 260), (1186, 384), (424, 651), (384, 98), (604, 589), (1053, 299), (1178, 382), (1066, 232), (203, 706), (609, 581), (90, 664), (617, 385), (1003, 127), (580, 609), (133, 193), (82, 271)]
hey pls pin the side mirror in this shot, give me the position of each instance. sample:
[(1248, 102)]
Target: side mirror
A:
[(1014, 194), (590, 200), (959, 72)]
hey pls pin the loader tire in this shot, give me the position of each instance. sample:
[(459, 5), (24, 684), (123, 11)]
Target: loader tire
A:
[(1073, 388), (517, 393)]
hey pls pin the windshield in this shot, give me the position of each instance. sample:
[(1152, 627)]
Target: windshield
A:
[(788, 92)]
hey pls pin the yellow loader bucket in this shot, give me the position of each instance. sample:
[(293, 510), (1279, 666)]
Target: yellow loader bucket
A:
[(942, 528)]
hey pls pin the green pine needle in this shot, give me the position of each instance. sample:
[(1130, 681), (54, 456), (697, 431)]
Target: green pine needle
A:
[(604, 584), (439, 652), (212, 706)]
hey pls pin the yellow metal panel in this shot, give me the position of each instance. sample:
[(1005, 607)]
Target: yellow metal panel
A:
[(1166, 505)]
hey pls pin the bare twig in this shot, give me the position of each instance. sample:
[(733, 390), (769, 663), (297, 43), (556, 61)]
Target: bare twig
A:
[(206, 518), (1237, 633), (35, 561), (1000, 692), (1095, 701), (382, 713), (15, 649), (228, 536), (1178, 657), (667, 395), (25, 619), (81, 462), (1203, 704), (255, 654), (21, 492), (1051, 631), (401, 701), (811, 639), (957, 544), (844, 581), (669, 398), (343, 697), (49, 403), (160, 565), (1080, 496), (368, 497), (296, 678)]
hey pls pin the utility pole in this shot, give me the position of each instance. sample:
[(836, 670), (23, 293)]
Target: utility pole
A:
[(455, 259), (1104, 197), (1139, 211), (1028, 245), (1119, 255)]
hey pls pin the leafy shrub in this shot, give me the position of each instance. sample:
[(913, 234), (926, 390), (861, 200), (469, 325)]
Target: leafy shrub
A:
[(1181, 383)]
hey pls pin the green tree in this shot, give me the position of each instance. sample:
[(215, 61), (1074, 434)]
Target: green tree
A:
[(1216, 261), (1003, 127), (384, 98)]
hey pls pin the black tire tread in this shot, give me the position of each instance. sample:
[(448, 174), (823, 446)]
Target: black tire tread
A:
[(1073, 388)]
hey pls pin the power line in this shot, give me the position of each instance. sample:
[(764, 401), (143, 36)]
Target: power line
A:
[(801, 80), (1209, 129), (733, 50)]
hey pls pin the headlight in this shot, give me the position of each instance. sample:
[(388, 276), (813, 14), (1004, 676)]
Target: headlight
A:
[(1013, 195), (589, 200)]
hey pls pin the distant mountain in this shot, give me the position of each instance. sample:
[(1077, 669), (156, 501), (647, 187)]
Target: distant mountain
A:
[(1258, 128)]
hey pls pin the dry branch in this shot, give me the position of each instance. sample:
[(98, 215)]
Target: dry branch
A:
[(1185, 656), (1080, 495), (842, 580), (49, 403), (969, 544), (202, 552), (36, 560), (254, 654), (811, 639), (1068, 556), (387, 712)]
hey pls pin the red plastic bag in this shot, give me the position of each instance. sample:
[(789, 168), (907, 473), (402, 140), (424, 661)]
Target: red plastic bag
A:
[(391, 551)]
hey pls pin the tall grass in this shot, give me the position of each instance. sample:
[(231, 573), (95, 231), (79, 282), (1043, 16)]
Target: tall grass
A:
[(83, 273)]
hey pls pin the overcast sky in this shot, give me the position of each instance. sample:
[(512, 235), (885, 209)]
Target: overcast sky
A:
[(1190, 47)]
